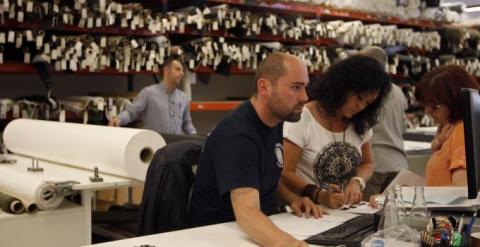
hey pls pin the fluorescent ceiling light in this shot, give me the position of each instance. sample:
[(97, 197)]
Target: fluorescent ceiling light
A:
[(452, 4), (472, 9)]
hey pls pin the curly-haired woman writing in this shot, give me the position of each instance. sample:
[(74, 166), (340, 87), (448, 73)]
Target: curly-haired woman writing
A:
[(330, 144)]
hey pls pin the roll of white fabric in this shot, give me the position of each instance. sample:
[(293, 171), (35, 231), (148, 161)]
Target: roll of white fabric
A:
[(30, 189), (122, 152)]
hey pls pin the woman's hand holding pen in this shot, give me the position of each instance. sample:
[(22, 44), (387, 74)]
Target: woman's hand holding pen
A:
[(331, 195)]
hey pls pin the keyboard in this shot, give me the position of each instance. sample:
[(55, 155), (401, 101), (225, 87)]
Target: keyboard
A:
[(350, 233)]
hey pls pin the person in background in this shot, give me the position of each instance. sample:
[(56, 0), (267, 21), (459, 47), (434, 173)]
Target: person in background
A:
[(162, 107), (389, 155), (239, 169), (439, 92), (327, 153)]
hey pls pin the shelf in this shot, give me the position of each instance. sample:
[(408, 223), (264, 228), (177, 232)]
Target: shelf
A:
[(335, 14), (20, 68), (233, 70), (328, 13), (214, 105), (237, 71), (255, 38), (13, 68), (291, 8), (111, 30), (275, 38)]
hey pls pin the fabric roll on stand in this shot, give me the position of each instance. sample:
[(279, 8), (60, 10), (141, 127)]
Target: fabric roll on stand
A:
[(11, 204), (33, 191), (85, 146), (54, 160)]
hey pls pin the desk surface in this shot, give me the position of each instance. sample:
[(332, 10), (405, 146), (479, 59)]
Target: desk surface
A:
[(226, 234), (424, 130)]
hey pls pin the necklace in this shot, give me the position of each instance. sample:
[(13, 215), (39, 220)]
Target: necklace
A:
[(335, 139), (333, 133)]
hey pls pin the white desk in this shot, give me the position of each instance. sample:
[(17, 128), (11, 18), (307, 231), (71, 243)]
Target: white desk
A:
[(220, 235), (68, 225), (424, 130), (418, 154)]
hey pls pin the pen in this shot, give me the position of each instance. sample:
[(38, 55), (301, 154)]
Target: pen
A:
[(324, 186), (470, 224)]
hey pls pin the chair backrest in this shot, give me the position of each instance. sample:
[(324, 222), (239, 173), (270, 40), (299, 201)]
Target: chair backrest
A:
[(168, 183)]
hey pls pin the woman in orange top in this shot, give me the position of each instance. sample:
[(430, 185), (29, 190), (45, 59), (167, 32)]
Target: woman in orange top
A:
[(439, 92)]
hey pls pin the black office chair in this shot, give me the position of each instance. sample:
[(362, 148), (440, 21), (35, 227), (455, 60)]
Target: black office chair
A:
[(168, 180), (168, 183)]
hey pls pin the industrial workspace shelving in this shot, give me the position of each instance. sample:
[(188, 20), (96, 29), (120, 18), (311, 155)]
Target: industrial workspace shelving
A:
[(72, 29), (255, 5), (307, 11), (326, 13)]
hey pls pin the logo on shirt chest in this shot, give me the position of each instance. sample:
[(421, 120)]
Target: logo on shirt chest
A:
[(279, 154)]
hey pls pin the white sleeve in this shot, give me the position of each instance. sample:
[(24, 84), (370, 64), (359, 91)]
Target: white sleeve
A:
[(295, 132)]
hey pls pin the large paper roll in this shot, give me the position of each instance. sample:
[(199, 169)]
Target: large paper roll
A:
[(122, 152), (31, 190)]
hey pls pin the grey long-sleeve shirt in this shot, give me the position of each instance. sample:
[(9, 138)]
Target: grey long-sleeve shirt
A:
[(160, 111), (387, 141)]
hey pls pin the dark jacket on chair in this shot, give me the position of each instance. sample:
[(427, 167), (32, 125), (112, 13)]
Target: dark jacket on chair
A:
[(167, 187)]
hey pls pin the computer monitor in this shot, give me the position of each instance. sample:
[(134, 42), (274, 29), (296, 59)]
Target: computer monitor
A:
[(471, 121)]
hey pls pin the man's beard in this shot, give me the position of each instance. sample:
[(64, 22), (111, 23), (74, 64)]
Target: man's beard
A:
[(282, 112)]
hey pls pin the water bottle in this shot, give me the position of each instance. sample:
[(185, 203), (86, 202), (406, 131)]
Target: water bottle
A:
[(377, 243), (400, 204), (390, 215), (419, 216)]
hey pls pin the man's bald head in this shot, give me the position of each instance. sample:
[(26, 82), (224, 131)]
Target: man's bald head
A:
[(273, 67)]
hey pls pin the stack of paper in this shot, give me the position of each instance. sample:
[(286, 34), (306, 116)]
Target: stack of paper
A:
[(442, 197)]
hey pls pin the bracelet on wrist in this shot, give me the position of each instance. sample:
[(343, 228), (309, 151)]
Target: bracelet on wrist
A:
[(360, 182), (309, 191), (317, 193)]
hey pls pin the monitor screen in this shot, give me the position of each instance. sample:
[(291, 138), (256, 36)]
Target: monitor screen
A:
[(471, 121)]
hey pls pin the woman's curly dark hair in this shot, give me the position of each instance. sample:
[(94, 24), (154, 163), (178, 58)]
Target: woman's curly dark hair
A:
[(357, 74)]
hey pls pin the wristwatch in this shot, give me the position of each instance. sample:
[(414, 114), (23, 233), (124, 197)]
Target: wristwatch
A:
[(360, 181)]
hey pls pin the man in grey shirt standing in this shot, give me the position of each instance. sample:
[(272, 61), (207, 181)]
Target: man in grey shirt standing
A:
[(389, 156), (162, 107)]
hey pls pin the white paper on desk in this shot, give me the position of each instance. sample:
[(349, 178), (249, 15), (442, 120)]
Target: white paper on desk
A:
[(424, 130), (362, 208), (339, 213), (416, 146), (117, 151), (441, 196), (305, 227), (406, 177)]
